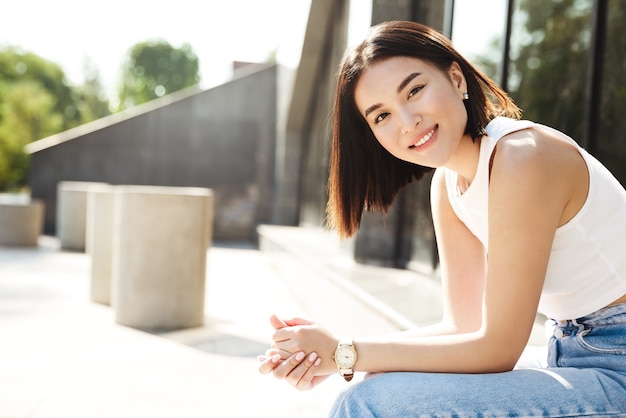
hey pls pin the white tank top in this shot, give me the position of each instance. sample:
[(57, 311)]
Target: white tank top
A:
[(587, 265)]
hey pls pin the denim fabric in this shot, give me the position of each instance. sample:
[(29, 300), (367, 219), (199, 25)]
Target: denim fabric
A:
[(585, 377), (597, 340)]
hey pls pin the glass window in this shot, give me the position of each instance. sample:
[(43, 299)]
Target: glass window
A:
[(611, 141), (549, 62), (478, 28)]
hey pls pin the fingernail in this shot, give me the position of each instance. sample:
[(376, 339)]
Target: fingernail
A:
[(275, 358), (312, 357), (300, 356), (261, 358), (317, 363)]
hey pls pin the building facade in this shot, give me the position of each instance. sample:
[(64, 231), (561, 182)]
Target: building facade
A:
[(562, 61)]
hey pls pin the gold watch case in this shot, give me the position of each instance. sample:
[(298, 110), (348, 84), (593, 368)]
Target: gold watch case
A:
[(345, 356)]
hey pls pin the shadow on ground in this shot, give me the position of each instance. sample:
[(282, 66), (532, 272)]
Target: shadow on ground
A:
[(214, 339)]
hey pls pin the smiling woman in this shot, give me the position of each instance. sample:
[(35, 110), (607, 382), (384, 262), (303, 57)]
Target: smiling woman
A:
[(407, 102), (412, 112), (380, 186)]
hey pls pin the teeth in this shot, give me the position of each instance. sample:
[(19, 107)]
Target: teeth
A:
[(424, 139)]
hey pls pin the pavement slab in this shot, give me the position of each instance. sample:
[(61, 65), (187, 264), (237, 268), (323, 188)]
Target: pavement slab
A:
[(63, 356)]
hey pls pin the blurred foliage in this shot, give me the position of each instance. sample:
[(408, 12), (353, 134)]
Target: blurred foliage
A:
[(90, 99), (612, 136), (35, 102), (549, 72), (550, 56), (155, 68)]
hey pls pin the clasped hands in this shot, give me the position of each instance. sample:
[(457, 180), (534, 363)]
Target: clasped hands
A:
[(302, 353)]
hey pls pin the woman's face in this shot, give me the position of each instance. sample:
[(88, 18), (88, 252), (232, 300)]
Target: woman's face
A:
[(414, 109)]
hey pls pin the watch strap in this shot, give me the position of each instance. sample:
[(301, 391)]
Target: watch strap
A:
[(347, 374)]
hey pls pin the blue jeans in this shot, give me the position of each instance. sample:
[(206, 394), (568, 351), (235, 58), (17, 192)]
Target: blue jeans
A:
[(585, 377)]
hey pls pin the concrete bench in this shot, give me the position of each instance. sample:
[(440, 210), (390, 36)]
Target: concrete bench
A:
[(21, 220), (71, 215), (159, 248)]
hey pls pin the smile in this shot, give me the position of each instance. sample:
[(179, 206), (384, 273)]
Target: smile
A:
[(424, 139)]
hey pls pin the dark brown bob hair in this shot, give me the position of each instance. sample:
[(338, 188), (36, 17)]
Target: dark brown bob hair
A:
[(365, 176)]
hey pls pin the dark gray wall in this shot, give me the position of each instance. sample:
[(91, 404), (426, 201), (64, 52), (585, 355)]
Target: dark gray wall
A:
[(222, 138)]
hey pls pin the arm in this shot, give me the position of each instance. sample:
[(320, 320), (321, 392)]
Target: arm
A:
[(463, 264), (527, 170), (463, 261)]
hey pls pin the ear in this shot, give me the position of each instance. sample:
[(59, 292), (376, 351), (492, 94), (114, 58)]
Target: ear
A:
[(458, 78)]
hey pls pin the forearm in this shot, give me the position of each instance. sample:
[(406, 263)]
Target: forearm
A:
[(440, 328), (460, 353)]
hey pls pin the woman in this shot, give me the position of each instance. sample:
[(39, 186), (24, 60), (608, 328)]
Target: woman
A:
[(525, 221)]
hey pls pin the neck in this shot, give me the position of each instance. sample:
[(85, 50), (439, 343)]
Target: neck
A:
[(465, 159)]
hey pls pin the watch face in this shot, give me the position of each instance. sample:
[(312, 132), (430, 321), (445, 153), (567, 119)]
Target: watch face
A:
[(345, 357)]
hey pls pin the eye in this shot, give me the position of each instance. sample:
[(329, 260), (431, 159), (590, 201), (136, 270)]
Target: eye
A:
[(380, 117), (416, 90)]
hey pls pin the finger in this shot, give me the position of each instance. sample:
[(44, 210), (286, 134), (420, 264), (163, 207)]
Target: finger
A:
[(281, 335), (277, 323), (302, 376), (300, 370), (309, 380), (297, 321), (287, 366), (276, 351), (268, 363)]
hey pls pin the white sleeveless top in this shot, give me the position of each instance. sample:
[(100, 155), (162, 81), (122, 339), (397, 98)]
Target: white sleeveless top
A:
[(587, 266)]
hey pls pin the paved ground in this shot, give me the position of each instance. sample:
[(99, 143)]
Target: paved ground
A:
[(63, 356)]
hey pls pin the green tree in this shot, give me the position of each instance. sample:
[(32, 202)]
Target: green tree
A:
[(36, 101), (17, 66), (155, 68), (26, 112), (90, 98)]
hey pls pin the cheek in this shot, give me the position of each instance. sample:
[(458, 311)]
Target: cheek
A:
[(462, 119), (458, 111)]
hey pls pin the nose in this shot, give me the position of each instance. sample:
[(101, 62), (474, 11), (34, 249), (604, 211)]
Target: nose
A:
[(409, 120)]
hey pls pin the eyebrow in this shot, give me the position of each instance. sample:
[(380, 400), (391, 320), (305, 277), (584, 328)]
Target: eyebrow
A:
[(407, 80), (401, 87)]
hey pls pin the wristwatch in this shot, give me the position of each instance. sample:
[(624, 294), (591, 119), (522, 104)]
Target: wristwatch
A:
[(345, 358)]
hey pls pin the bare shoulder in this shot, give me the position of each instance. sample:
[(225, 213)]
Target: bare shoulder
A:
[(539, 149), (542, 162)]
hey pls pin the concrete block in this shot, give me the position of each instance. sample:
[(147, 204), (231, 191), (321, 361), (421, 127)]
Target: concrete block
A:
[(160, 241), (99, 241), (21, 220), (71, 212)]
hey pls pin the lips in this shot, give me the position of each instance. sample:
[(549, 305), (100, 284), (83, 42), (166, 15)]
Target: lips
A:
[(424, 139)]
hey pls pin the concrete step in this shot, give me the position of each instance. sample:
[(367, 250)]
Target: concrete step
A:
[(320, 273)]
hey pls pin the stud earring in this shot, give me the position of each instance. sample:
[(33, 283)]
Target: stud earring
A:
[(465, 96)]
